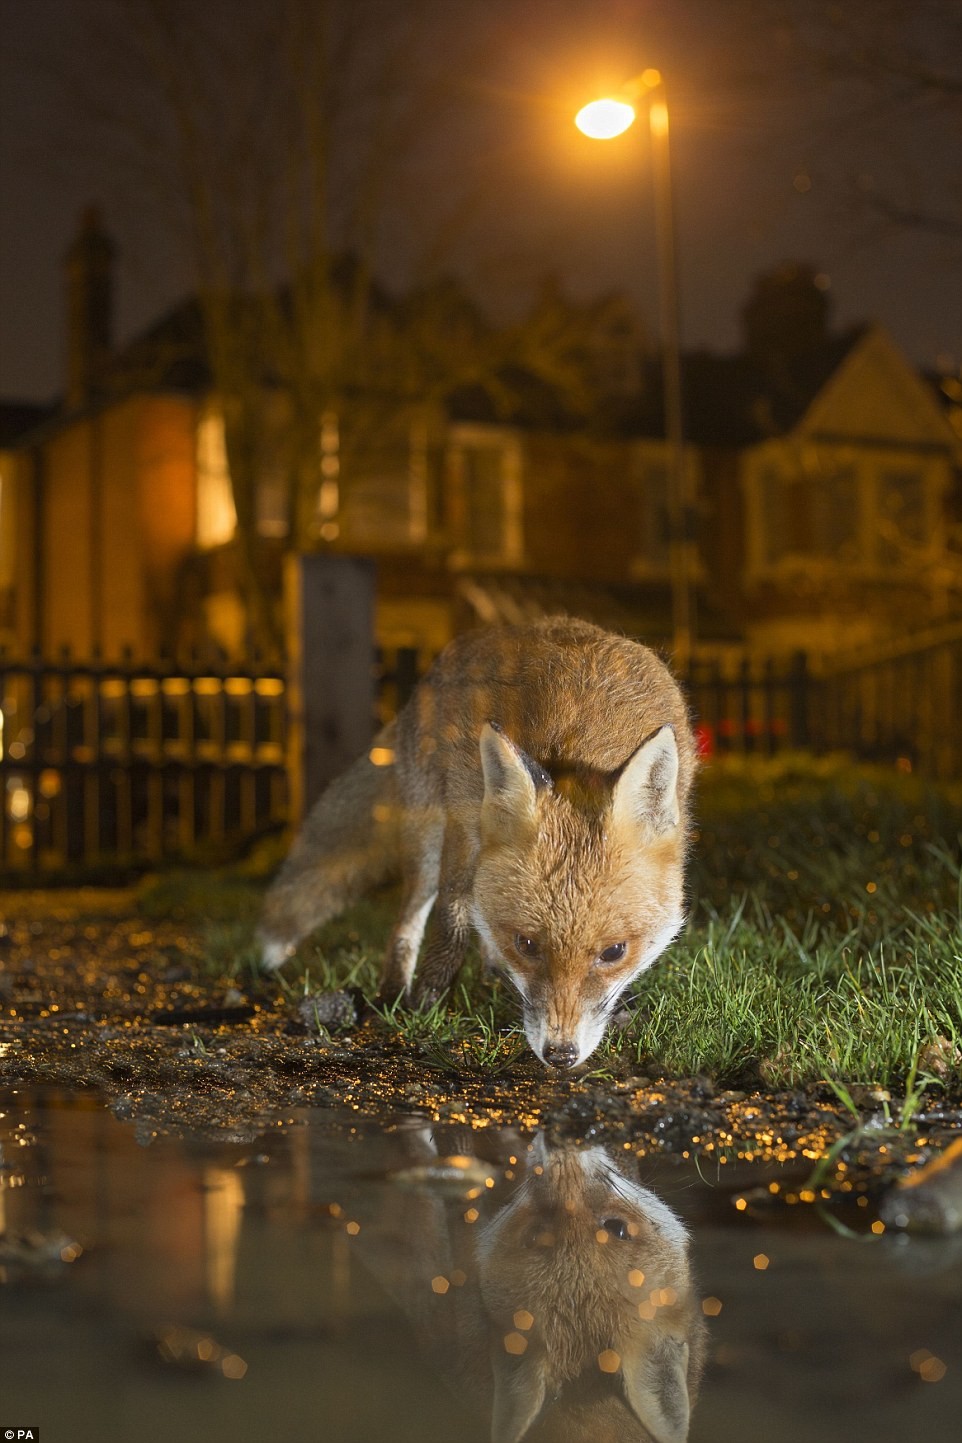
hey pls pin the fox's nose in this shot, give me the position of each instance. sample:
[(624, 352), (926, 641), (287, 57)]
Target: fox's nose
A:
[(560, 1054)]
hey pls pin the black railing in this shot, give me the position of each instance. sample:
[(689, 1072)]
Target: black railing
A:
[(897, 701), (752, 706), (119, 762), (128, 762)]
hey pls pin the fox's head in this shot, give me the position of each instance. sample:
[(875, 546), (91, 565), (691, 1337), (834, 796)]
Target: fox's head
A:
[(574, 896), (594, 1269)]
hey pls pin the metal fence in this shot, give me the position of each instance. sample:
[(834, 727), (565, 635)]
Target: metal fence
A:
[(898, 700), (122, 761), (754, 706), (126, 763)]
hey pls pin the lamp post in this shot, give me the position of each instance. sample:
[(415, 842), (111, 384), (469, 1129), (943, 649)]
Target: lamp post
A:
[(603, 120)]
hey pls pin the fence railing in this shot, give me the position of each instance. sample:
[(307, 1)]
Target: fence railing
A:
[(131, 763), (898, 700), (122, 761), (756, 706)]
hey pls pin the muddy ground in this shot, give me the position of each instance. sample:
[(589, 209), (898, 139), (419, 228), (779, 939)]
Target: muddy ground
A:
[(92, 996)]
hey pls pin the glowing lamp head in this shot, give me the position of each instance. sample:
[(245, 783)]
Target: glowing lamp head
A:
[(604, 119)]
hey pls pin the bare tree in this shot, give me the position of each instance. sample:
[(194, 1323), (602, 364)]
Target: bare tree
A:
[(279, 141), (883, 62)]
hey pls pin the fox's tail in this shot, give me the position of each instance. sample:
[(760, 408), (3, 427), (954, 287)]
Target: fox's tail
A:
[(349, 844)]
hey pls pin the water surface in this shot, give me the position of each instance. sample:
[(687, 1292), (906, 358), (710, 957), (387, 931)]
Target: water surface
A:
[(350, 1283)]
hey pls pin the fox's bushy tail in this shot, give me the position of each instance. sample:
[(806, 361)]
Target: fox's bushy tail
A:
[(349, 843)]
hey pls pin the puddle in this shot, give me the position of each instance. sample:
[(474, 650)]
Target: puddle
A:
[(335, 1280)]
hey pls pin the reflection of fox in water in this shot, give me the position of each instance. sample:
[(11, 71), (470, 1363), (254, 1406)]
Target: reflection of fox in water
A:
[(599, 1265), (535, 789), (562, 1305)]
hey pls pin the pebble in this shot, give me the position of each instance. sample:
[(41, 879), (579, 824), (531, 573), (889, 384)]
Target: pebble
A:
[(928, 1201)]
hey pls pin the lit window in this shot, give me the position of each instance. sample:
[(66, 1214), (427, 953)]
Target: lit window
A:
[(329, 494), (216, 516)]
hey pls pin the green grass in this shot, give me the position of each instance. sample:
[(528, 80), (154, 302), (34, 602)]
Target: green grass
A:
[(824, 942)]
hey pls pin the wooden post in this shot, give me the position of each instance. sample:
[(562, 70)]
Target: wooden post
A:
[(330, 652)]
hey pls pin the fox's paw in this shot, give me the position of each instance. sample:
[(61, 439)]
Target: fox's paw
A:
[(273, 953), (425, 995)]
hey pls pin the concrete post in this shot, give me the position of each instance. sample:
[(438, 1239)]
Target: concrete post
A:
[(329, 619)]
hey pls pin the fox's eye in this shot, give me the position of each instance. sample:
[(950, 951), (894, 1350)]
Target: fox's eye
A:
[(526, 946), (614, 953)]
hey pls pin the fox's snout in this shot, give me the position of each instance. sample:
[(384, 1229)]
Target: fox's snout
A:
[(563, 1031), (560, 1054)]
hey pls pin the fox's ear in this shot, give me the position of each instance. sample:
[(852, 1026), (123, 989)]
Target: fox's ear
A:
[(647, 789), (656, 1386), (511, 782), (519, 1389)]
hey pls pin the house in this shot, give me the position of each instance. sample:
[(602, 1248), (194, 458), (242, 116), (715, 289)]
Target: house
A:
[(120, 520), (824, 468), (844, 508)]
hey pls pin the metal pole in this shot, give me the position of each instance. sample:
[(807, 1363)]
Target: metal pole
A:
[(680, 509)]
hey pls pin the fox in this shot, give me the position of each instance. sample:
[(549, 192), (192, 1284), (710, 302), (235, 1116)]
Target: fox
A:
[(576, 1317), (534, 791), (615, 1344)]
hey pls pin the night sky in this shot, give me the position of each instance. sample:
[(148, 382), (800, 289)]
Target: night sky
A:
[(782, 143)]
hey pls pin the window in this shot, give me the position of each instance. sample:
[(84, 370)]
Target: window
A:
[(901, 523), (216, 516), (485, 470), (834, 515), (655, 516), (385, 481), (780, 513), (811, 516), (329, 492), (482, 477)]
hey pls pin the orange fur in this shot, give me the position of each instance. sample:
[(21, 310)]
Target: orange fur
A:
[(539, 791)]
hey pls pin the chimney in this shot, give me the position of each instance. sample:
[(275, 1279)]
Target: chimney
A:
[(89, 269)]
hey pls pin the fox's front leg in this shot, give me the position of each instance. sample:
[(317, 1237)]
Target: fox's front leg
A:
[(446, 948), (422, 843), (450, 926)]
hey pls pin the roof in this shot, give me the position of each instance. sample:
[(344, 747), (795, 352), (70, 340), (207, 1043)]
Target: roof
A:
[(170, 354), (737, 400)]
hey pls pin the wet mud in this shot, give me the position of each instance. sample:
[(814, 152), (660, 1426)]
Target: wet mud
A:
[(93, 997)]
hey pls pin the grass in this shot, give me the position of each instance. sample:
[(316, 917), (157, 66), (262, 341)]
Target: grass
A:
[(824, 941)]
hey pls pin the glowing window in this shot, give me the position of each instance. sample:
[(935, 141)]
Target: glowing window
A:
[(216, 516)]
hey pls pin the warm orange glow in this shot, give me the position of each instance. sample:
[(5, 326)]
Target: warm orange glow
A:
[(216, 517), (604, 119), (658, 118)]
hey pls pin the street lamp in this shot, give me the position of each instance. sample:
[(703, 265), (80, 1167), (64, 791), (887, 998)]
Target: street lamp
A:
[(603, 120)]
